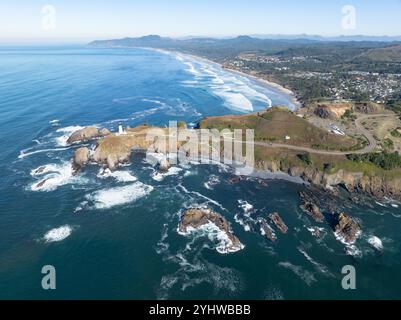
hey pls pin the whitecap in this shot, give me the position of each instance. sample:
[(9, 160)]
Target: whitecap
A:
[(53, 176), (380, 204), (23, 153), (108, 198), (211, 182), (214, 233), (352, 250), (320, 267), (241, 222), (246, 207), (376, 243), (121, 176), (159, 176), (58, 234)]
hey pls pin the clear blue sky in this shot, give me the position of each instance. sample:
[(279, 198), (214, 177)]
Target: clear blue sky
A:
[(93, 19)]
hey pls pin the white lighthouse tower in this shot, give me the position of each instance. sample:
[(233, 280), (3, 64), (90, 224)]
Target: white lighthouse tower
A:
[(120, 129)]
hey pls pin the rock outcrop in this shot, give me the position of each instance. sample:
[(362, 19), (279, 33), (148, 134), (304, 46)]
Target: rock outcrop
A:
[(346, 228), (81, 158), (332, 110), (378, 186), (266, 230), (369, 107), (322, 112), (86, 134), (164, 165), (104, 132), (276, 219), (310, 207), (194, 219), (234, 180)]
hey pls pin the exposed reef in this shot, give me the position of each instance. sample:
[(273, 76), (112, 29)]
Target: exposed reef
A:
[(276, 219), (196, 219), (346, 228)]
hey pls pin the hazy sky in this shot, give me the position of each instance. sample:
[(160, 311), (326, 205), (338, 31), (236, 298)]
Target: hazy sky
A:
[(95, 19)]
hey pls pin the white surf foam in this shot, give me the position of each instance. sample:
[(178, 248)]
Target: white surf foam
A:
[(159, 176), (108, 198), (23, 153), (235, 90), (58, 234), (241, 222), (376, 243), (53, 176), (121, 176), (66, 133), (211, 182), (213, 233), (320, 267), (54, 123), (305, 275), (246, 207)]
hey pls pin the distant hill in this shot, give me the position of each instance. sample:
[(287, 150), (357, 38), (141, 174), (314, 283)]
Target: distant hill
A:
[(388, 54), (222, 49)]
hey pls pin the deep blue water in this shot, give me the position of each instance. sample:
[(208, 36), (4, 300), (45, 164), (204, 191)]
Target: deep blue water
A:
[(123, 241)]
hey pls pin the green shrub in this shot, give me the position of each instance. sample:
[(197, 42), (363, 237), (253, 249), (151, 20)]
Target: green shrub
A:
[(384, 160)]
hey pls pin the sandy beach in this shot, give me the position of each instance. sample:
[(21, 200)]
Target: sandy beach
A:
[(262, 82)]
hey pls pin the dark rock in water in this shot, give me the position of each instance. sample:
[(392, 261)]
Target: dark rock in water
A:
[(346, 228), (234, 179), (40, 170), (276, 219), (267, 230), (311, 208), (196, 218), (87, 133), (263, 183), (315, 231), (41, 184)]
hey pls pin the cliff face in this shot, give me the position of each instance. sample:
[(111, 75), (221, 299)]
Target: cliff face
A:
[(377, 186)]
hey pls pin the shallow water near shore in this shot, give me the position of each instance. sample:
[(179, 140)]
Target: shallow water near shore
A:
[(115, 235)]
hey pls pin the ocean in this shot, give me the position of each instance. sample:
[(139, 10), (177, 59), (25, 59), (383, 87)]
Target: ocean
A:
[(115, 236)]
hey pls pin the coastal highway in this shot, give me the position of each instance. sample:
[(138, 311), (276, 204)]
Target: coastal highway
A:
[(360, 128)]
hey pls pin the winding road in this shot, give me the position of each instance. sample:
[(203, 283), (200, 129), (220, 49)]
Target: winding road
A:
[(358, 123)]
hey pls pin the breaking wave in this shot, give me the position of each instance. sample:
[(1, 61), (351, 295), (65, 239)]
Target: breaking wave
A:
[(53, 176), (214, 234), (121, 176), (108, 198), (58, 234)]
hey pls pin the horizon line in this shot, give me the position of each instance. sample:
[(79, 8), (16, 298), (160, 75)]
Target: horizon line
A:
[(74, 39)]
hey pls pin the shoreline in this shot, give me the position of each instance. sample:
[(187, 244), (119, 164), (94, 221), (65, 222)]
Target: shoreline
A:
[(262, 82), (269, 84)]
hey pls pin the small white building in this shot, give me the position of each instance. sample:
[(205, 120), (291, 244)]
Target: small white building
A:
[(121, 130), (287, 138)]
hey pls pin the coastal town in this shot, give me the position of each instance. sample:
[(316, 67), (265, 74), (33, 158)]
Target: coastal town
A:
[(336, 85)]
